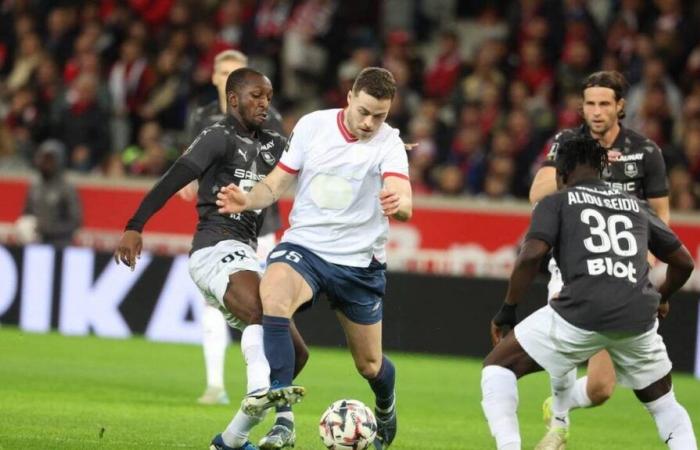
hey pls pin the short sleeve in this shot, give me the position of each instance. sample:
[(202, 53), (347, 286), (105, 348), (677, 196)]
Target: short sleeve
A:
[(544, 224), (395, 161), (207, 147), (662, 240), (292, 159), (655, 182)]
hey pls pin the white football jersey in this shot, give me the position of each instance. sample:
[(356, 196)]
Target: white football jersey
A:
[(336, 211)]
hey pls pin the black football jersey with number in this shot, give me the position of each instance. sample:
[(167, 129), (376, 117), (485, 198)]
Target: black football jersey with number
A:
[(225, 153), (600, 238), (636, 164), (210, 114)]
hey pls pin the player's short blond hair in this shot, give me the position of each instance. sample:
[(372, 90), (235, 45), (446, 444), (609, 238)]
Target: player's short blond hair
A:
[(231, 55)]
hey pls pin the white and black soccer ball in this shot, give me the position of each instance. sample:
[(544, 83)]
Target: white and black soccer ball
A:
[(348, 425)]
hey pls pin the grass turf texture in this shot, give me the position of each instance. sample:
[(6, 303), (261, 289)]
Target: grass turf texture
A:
[(60, 392)]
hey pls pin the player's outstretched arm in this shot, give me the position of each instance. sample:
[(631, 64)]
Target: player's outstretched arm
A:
[(231, 199), (545, 183), (396, 198), (525, 270), (680, 267), (130, 244)]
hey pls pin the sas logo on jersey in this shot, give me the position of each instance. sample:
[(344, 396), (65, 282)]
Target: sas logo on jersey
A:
[(268, 158), (631, 169)]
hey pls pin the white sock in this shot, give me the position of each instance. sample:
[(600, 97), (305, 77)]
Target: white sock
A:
[(286, 415), (499, 392), (672, 422), (215, 338), (253, 350), (579, 395), (562, 392), (237, 431)]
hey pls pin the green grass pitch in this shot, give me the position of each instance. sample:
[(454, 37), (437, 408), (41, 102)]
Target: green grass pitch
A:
[(60, 392)]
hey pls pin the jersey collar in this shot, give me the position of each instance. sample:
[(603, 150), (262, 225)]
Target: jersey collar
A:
[(347, 135), (240, 129), (619, 142), (590, 181)]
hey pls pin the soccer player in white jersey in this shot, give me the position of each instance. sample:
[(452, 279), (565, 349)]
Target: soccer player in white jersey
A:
[(352, 173)]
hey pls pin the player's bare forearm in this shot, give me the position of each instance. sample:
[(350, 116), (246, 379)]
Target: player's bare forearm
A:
[(270, 189), (525, 270), (405, 209), (396, 198), (545, 183), (232, 199), (680, 267)]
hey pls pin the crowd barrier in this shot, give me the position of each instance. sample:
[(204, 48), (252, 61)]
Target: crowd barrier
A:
[(79, 291)]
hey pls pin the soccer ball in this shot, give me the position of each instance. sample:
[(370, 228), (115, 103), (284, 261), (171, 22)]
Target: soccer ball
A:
[(347, 425)]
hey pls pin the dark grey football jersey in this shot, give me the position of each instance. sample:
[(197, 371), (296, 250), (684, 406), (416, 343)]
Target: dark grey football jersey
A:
[(636, 164), (224, 153), (210, 114), (600, 238)]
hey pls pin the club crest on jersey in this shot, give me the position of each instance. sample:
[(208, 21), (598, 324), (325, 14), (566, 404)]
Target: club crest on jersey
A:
[(268, 158), (631, 169)]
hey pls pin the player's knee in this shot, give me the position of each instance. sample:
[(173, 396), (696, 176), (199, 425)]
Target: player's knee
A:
[(369, 367), (275, 300), (599, 392)]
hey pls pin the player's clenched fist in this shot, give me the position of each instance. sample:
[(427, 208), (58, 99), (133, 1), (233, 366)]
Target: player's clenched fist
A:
[(389, 201), (231, 199), (129, 248)]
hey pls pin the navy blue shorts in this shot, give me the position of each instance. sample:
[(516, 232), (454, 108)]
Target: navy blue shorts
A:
[(356, 291)]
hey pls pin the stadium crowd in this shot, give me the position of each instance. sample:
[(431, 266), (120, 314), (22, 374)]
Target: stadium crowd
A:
[(482, 89)]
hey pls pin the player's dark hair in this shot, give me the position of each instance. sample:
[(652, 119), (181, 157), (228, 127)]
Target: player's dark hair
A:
[(239, 77), (377, 82), (583, 150), (610, 79)]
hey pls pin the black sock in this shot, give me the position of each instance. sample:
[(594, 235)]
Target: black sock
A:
[(383, 385), (279, 350)]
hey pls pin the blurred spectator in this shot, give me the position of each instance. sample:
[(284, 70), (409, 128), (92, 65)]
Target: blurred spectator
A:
[(83, 124), (485, 70), (53, 210), (654, 77), (60, 27), (574, 68), (23, 120), (467, 153), (683, 195), (167, 98), (450, 180), (130, 80), (441, 76), (303, 57), (534, 70), (150, 156), (422, 157), (29, 56)]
